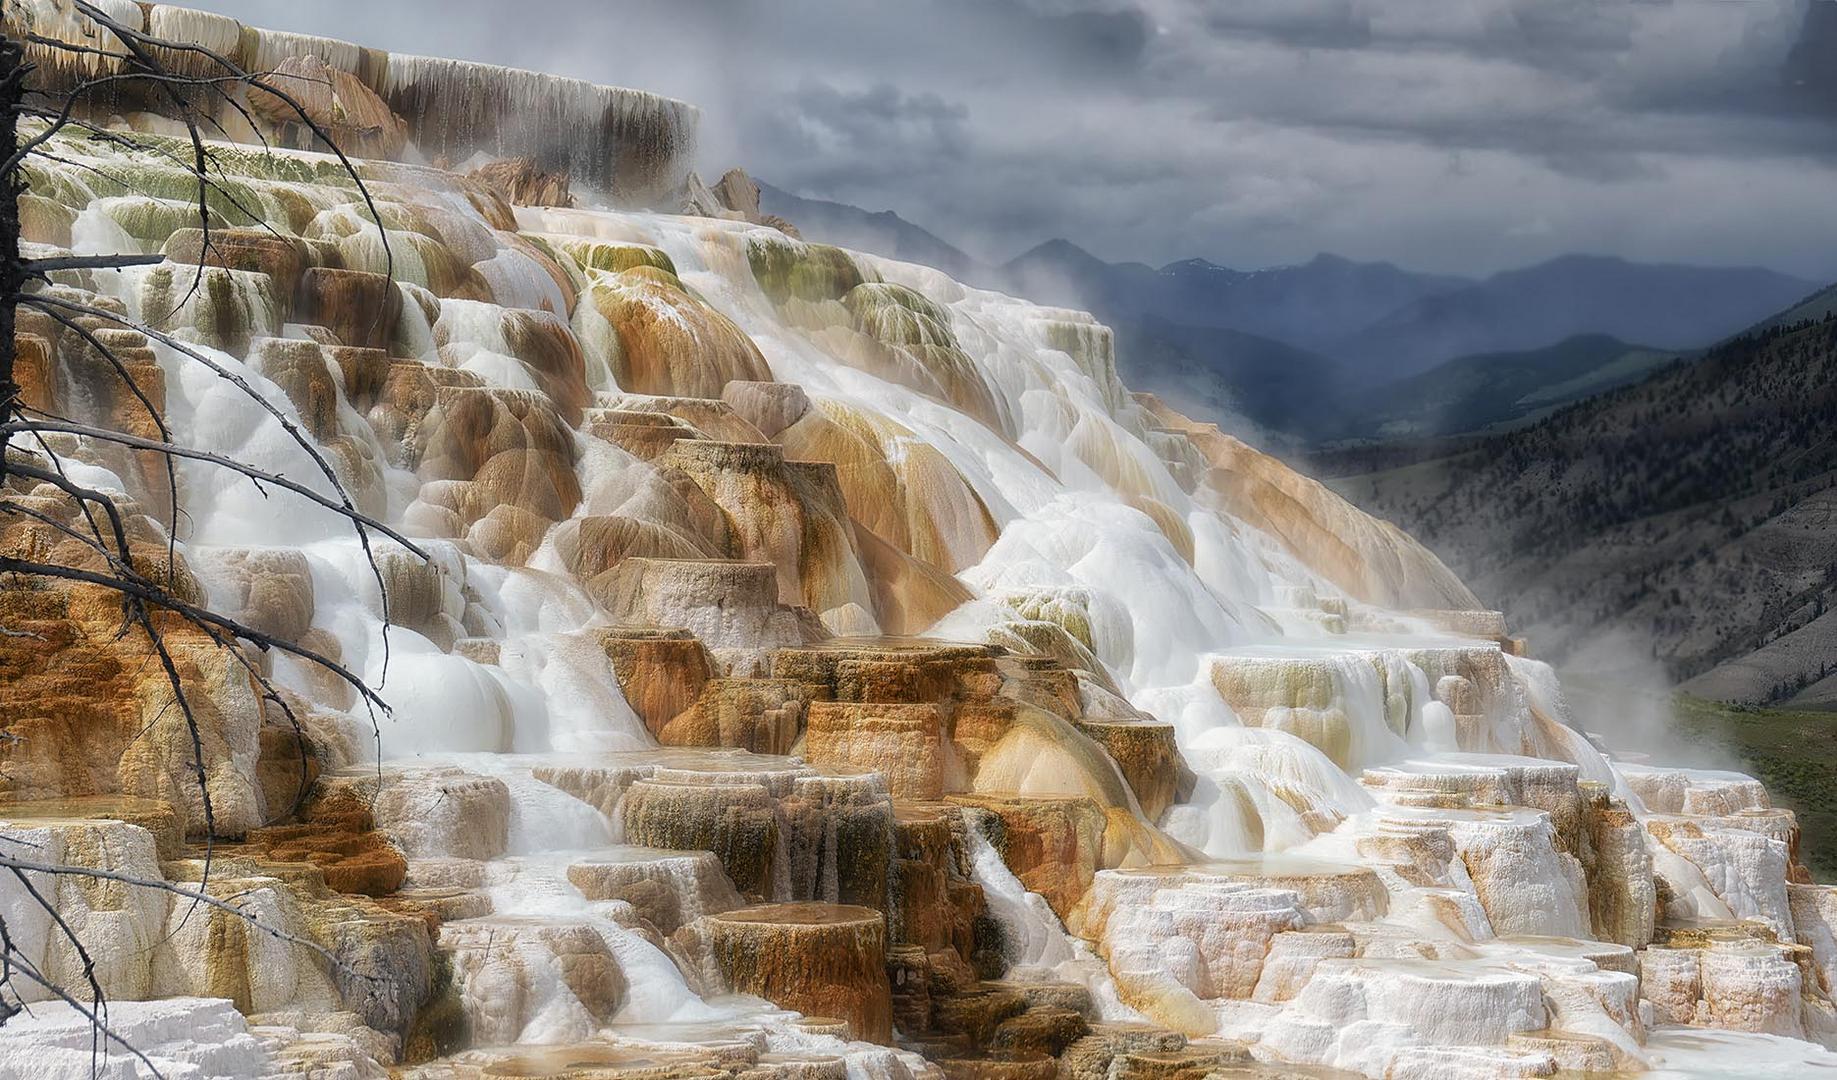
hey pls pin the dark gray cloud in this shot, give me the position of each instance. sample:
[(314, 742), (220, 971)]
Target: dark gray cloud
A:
[(887, 133), (1448, 134)]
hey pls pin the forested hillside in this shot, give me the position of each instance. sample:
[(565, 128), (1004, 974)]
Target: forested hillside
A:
[(1689, 518)]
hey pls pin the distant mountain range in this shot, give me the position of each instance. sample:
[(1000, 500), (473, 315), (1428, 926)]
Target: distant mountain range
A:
[(1315, 305), (1276, 394), (1334, 349), (1684, 519), (883, 233), (1499, 390), (1662, 306)]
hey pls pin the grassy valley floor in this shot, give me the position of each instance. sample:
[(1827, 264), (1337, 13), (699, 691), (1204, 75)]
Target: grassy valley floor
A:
[(1793, 752)]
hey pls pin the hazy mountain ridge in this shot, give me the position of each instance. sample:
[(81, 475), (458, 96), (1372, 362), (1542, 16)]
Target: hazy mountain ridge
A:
[(1309, 305), (881, 233), (1246, 382), (1663, 306), (1491, 390), (1334, 349), (1686, 518)]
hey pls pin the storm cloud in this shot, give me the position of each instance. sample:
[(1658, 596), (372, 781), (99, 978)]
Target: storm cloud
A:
[(1461, 135)]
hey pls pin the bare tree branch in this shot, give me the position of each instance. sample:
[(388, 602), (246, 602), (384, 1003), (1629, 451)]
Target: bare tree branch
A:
[(41, 267), (252, 918), (147, 605), (299, 437), (251, 472)]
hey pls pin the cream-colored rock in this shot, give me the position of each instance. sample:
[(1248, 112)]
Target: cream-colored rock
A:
[(1622, 889), (1752, 987), (161, 763), (1318, 700), (1726, 981), (1367, 1015), (200, 1037), (431, 811), (1693, 791), (1182, 939), (529, 979), (1814, 918), (732, 607), (213, 951), (1372, 560), (1292, 957), (118, 924), (1745, 871), (1524, 881), (668, 888)]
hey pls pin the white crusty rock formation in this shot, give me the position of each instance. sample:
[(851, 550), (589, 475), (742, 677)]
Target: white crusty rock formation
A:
[(821, 669)]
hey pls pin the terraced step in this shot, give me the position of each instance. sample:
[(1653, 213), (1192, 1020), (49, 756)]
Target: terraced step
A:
[(668, 888), (820, 959)]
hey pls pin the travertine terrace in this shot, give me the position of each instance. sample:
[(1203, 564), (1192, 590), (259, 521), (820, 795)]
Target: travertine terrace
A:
[(823, 669)]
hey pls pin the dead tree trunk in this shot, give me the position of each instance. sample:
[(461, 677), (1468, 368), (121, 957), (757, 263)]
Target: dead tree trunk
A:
[(12, 265)]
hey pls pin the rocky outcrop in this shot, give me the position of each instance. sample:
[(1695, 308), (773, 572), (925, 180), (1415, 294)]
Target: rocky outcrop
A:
[(670, 343), (303, 93), (521, 182), (734, 197), (633, 144)]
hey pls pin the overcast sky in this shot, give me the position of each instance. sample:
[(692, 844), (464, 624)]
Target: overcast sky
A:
[(1457, 135)]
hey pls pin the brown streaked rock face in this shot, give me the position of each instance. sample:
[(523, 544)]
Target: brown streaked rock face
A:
[(351, 856), (90, 716), (359, 122), (761, 715), (662, 673), (361, 308), (820, 959), (910, 595), (932, 904), (901, 489), (787, 513), (668, 888), (738, 822), (670, 342), (520, 181), (1053, 845), (283, 258), (905, 742), (1372, 560), (1149, 759), (840, 838), (34, 371)]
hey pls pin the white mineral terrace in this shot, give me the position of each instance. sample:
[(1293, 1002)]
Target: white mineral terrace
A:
[(764, 573), (606, 137)]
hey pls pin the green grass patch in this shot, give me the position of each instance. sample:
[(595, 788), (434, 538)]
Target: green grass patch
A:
[(1793, 752)]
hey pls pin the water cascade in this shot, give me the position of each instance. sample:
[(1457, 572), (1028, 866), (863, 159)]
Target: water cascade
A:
[(821, 668)]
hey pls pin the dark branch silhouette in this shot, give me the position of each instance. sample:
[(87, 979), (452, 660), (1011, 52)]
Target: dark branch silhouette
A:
[(38, 491)]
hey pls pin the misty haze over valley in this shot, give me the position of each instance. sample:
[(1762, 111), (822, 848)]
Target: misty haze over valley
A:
[(940, 540)]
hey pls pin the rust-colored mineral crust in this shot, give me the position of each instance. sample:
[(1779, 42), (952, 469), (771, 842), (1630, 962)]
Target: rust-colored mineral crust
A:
[(820, 959)]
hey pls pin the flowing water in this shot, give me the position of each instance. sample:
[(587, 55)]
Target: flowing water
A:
[(985, 439)]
